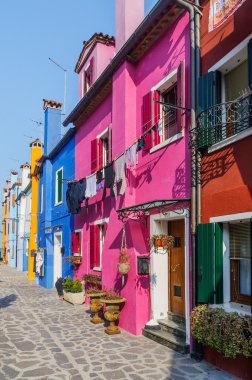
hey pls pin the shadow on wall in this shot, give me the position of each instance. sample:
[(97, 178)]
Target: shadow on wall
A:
[(179, 187), (216, 165), (7, 301)]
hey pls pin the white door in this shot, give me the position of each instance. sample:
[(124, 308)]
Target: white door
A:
[(57, 259)]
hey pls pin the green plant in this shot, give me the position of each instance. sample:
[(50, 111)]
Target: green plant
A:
[(72, 286), (92, 278), (229, 333), (164, 241)]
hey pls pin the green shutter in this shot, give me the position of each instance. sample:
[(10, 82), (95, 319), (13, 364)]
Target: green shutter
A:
[(205, 263), (210, 263), (218, 263), (209, 94), (59, 184)]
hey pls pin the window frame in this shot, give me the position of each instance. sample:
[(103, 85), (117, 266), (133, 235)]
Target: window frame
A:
[(57, 202), (101, 223)]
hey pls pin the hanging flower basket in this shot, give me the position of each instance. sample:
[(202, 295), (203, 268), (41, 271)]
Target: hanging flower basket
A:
[(75, 260), (124, 258), (161, 241)]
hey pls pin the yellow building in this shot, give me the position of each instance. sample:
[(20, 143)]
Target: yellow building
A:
[(36, 152)]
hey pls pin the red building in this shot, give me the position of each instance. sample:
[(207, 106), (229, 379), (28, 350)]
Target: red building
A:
[(224, 138)]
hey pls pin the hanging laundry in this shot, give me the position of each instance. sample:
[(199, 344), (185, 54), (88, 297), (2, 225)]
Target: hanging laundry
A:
[(131, 156), (160, 128), (91, 186), (75, 195), (120, 175), (100, 181), (140, 144), (109, 180), (40, 263)]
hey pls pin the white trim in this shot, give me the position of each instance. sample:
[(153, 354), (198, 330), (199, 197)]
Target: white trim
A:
[(230, 217), (79, 231), (230, 54), (165, 79), (101, 221), (97, 269), (230, 140), (55, 246), (103, 133), (159, 305), (167, 142), (56, 187)]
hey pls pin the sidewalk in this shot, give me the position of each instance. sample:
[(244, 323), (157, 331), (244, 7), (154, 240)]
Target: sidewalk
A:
[(42, 337)]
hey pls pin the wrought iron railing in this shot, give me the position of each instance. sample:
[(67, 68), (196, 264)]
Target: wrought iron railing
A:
[(222, 121)]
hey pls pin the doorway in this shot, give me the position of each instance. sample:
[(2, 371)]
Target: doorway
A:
[(176, 268), (57, 256)]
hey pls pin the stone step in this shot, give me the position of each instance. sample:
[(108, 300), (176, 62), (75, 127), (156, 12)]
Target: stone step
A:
[(172, 327), (176, 318), (167, 339)]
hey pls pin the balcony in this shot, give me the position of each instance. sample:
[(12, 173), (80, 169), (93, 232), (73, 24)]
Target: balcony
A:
[(222, 121)]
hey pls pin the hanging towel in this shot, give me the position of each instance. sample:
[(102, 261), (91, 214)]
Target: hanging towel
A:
[(160, 128), (131, 156), (109, 180), (120, 175), (75, 195), (140, 144), (100, 182), (91, 186), (40, 263)]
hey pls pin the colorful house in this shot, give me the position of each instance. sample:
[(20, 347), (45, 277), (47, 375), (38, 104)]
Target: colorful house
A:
[(36, 152), (138, 95), (224, 138), (7, 221), (54, 168), (4, 207), (23, 200), (13, 218)]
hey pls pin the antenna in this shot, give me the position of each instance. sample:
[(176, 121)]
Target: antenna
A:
[(65, 71)]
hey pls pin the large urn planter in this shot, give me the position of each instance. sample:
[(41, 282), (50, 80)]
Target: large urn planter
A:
[(112, 313), (96, 305), (74, 298)]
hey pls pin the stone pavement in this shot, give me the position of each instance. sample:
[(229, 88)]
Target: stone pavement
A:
[(42, 337)]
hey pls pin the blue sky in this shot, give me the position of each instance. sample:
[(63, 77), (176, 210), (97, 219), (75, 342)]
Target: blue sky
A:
[(31, 32)]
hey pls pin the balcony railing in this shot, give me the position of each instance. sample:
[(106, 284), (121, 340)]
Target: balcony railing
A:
[(222, 121)]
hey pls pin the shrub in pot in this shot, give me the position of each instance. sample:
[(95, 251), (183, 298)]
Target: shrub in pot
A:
[(73, 291)]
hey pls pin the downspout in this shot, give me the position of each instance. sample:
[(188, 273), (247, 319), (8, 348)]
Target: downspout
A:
[(190, 8)]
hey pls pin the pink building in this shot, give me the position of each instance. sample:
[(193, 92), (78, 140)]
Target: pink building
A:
[(121, 81)]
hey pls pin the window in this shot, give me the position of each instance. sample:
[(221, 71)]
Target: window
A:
[(76, 242), (13, 226), (88, 76), (101, 150), (240, 262), (58, 186), (97, 238), (169, 117), (42, 198)]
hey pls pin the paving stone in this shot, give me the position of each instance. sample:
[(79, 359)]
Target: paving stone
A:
[(10, 372), (111, 375)]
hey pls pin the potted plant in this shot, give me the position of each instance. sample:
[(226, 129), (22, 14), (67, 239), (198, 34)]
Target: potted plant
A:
[(73, 291), (75, 260), (161, 241), (112, 313), (92, 279), (124, 258), (96, 305)]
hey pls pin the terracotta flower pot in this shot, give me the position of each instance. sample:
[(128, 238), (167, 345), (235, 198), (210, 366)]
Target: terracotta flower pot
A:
[(112, 314), (123, 268), (96, 306)]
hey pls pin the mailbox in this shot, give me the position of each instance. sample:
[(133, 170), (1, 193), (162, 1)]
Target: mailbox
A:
[(143, 265)]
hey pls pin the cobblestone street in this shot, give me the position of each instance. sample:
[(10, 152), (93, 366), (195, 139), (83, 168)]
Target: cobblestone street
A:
[(42, 337)]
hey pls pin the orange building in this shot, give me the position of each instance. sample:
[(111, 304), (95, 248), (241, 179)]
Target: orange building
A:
[(224, 139)]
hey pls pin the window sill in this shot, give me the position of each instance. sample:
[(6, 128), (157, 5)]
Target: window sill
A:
[(166, 142), (231, 307), (97, 269), (230, 140), (58, 204)]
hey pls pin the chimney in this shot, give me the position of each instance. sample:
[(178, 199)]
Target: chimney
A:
[(52, 124), (129, 14), (36, 152), (25, 174)]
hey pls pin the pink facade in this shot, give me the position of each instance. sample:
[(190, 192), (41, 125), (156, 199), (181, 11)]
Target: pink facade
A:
[(163, 172)]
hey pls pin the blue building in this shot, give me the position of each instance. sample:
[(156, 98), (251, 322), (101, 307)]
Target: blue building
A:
[(54, 222), (13, 218)]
